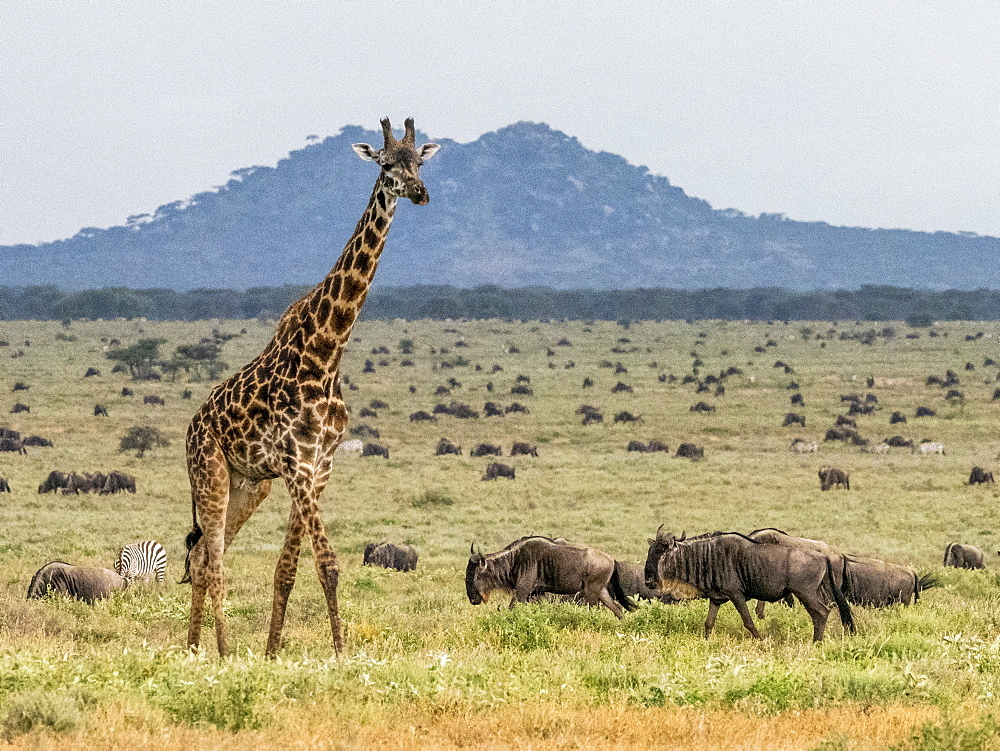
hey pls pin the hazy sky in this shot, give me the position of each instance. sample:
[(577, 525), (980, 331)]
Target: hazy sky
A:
[(880, 114)]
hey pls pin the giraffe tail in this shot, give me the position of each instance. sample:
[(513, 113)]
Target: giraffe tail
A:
[(189, 542)]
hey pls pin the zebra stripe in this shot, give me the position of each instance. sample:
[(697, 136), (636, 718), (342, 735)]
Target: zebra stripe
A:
[(138, 558)]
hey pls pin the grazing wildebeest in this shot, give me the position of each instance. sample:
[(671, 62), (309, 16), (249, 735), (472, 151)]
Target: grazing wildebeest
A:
[(100, 410), (447, 447), (802, 446), (390, 555), (91, 372), (373, 449), (422, 416), (730, 567), (19, 407), (830, 476), (626, 416), (798, 400), (957, 555), (12, 445), (703, 407), (126, 391), (897, 417), (844, 420), (367, 412), (925, 412), (85, 583), (929, 447), (690, 451), (793, 419), (837, 560), (620, 387), (637, 446), (497, 470), (55, 481), (872, 583), (37, 440), (980, 475), (656, 445), (537, 565), (118, 482), (4, 485), (523, 449), (153, 399), (486, 449), (897, 441), (141, 560), (492, 409)]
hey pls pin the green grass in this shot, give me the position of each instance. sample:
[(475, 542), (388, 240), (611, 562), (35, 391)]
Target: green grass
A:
[(413, 640)]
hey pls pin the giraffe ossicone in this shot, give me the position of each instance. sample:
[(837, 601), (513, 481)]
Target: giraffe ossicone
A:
[(282, 415)]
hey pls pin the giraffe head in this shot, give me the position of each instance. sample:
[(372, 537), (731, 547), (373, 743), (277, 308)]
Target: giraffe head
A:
[(400, 161)]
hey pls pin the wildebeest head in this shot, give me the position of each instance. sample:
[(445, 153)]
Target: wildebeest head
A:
[(484, 575), (660, 548), (473, 572)]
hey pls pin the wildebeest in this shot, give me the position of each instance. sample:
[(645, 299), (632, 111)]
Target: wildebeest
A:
[(925, 412), (19, 407), (897, 441), (91, 372), (980, 475), (730, 567), (897, 417), (523, 449), (85, 583), (872, 583), (703, 407), (837, 560), (621, 387), (929, 447), (447, 447), (536, 565), (492, 409), (4, 485), (690, 451), (496, 470), (830, 476), (793, 419), (55, 481), (126, 391), (422, 416), (798, 400), (36, 440), (373, 449), (486, 449), (957, 555), (100, 410), (390, 555), (153, 399), (802, 446), (626, 416), (118, 482), (516, 407), (12, 445)]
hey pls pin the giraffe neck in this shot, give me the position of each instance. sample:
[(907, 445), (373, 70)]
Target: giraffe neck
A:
[(320, 323)]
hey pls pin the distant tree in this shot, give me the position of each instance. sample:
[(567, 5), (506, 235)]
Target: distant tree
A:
[(141, 440), (140, 358)]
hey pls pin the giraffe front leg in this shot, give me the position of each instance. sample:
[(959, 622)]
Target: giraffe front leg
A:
[(284, 579), (199, 587)]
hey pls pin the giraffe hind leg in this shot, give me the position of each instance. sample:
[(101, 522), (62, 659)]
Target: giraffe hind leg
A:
[(284, 579)]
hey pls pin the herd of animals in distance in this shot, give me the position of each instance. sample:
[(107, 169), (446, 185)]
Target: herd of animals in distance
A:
[(717, 566)]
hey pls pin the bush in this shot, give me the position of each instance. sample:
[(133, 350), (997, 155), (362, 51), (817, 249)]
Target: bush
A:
[(142, 440), (433, 497), (40, 709)]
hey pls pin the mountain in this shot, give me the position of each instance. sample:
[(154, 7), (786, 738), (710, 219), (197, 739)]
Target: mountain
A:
[(525, 205)]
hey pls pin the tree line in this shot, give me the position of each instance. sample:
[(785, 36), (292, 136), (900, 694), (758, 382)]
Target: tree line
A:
[(871, 303)]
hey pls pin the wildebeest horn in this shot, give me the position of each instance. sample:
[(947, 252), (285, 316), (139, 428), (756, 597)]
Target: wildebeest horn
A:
[(659, 532), (410, 134), (472, 549), (684, 534), (387, 133)]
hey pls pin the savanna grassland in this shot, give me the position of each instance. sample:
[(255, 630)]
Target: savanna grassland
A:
[(424, 668)]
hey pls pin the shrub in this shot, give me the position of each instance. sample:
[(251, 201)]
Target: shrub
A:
[(40, 709)]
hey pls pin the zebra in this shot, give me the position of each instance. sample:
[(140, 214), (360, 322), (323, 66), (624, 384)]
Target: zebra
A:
[(930, 447), (139, 558)]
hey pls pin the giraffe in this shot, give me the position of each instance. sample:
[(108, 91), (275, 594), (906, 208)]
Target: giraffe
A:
[(283, 414)]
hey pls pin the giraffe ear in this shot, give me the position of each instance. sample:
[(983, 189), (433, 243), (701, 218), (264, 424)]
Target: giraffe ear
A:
[(366, 152), (428, 150)]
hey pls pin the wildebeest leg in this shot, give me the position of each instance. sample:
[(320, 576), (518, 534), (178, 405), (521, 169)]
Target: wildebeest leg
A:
[(284, 579), (611, 605), (713, 611), (760, 609), (523, 589), (741, 606), (819, 613)]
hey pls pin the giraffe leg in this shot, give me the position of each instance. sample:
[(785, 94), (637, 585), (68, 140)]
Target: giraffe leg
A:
[(306, 495), (284, 579), (209, 475)]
